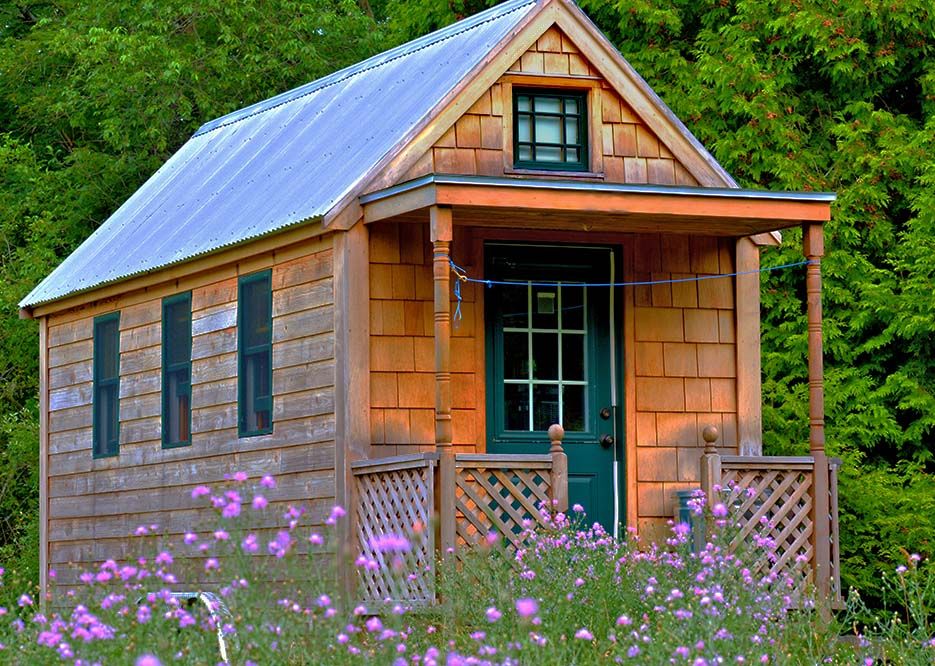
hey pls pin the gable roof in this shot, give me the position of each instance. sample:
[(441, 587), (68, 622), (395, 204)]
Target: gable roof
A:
[(296, 157)]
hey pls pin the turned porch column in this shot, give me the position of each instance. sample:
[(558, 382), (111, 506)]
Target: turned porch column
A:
[(813, 247), (440, 232)]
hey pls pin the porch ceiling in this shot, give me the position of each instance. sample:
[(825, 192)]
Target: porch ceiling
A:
[(566, 204)]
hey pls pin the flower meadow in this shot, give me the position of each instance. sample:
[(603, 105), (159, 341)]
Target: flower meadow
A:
[(572, 594)]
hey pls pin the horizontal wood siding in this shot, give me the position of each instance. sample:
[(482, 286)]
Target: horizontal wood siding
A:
[(402, 361), (684, 353), (96, 505), (480, 142)]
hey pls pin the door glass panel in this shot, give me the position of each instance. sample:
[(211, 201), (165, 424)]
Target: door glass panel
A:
[(572, 308), (572, 357), (573, 411), (545, 355), (515, 356), (516, 406), (545, 406), (545, 307), (514, 303)]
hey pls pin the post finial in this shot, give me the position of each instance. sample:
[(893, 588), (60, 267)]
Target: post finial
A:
[(710, 435), (556, 435)]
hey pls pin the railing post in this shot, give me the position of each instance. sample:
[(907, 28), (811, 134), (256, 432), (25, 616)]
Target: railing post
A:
[(813, 247), (559, 484), (441, 234), (710, 472)]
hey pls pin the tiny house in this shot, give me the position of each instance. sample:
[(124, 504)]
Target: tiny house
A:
[(485, 269)]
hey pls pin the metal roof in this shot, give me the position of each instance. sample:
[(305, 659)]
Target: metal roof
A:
[(279, 163)]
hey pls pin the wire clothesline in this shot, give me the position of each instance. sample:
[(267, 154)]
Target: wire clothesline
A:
[(462, 276)]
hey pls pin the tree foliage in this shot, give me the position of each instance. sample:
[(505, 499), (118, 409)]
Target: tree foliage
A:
[(787, 94)]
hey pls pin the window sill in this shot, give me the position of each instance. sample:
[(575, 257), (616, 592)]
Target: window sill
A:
[(589, 175)]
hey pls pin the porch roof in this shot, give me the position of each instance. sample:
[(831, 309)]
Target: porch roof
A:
[(573, 204)]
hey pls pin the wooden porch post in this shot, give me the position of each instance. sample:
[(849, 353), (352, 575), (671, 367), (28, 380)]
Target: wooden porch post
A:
[(813, 247), (440, 221)]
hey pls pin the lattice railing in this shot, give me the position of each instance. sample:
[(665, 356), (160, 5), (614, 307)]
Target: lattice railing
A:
[(396, 498), (773, 497), (499, 493)]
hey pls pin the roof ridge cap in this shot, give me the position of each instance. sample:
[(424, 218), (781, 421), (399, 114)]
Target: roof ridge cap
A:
[(385, 57)]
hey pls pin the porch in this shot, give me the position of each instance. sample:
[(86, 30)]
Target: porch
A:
[(468, 494)]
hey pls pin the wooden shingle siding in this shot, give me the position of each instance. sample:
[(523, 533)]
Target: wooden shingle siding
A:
[(480, 142), (95, 505), (684, 367), (402, 380)]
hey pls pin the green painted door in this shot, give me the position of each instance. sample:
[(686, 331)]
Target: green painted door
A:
[(550, 360)]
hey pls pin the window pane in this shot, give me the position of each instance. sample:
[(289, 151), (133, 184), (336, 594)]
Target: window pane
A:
[(105, 404), (571, 105), (545, 406), (178, 323), (256, 319), (256, 392), (571, 130), (108, 336), (548, 130), (573, 408), (571, 155), (573, 356), (516, 406), (178, 407), (522, 103), (548, 105), (515, 356), (548, 154), (513, 306), (545, 355), (524, 128), (525, 153)]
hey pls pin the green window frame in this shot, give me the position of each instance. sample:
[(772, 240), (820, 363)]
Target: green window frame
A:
[(550, 129), (105, 401), (255, 354), (177, 371)]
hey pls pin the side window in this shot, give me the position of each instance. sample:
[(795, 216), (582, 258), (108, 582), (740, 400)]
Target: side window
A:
[(177, 370), (255, 354), (106, 398), (550, 130)]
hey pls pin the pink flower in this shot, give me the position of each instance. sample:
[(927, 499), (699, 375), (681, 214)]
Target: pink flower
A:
[(212, 563), (259, 503), (584, 635), (148, 660), (240, 477), (221, 535), (577, 508), (232, 510), (373, 625), (390, 543), (249, 544), (493, 614), (527, 607), (268, 482), (190, 538), (719, 510), (316, 539), (200, 491), (164, 558)]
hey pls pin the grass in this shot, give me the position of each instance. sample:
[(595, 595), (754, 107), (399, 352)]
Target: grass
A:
[(575, 595)]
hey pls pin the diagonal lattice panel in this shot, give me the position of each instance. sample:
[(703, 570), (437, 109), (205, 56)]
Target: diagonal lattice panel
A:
[(396, 503), (774, 504)]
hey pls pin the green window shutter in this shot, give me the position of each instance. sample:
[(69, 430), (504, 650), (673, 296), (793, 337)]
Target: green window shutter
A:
[(177, 370), (550, 130), (106, 393), (255, 354)]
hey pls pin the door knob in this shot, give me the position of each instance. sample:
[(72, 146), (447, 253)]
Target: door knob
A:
[(605, 413), (607, 441)]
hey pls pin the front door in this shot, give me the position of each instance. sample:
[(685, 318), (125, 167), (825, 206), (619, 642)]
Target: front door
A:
[(550, 359)]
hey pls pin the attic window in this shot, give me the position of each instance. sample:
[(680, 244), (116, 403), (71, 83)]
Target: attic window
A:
[(550, 130)]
